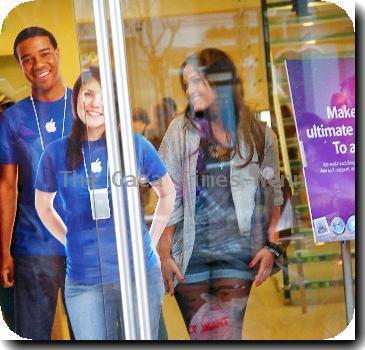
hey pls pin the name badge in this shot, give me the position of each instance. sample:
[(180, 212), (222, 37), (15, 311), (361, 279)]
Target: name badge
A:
[(99, 201)]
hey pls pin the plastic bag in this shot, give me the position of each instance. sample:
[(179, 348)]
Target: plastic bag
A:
[(217, 319)]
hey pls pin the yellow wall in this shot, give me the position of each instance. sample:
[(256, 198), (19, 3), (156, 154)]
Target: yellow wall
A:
[(154, 69), (165, 8), (57, 16), (153, 64)]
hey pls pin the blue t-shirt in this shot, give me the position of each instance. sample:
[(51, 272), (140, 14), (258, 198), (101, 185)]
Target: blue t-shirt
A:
[(20, 144), (91, 245)]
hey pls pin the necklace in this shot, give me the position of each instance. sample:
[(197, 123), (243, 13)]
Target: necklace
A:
[(36, 117), (213, 150)]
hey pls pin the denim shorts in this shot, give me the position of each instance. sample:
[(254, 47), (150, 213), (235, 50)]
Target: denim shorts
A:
[(207, 264)]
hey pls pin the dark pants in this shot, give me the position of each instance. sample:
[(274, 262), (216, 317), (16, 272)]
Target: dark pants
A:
[(37, 280), (7, 306)]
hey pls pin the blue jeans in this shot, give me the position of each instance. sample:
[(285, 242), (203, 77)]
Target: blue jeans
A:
[(96, 313)]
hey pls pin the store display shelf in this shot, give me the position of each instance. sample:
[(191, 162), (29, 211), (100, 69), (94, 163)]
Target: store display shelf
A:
[(316, 257), (302, 207), (297, 185), (276, 4), (294, 164), (281, 62), (298, 21), (279, 4), (314, 39), (284, 100), (291, 142), (289, 122), (319, 284), (305, 231)]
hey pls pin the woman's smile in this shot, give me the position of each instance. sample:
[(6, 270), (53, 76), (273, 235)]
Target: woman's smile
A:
[(94, 114)]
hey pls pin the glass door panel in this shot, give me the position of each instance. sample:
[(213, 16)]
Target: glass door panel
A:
[(317, 31)]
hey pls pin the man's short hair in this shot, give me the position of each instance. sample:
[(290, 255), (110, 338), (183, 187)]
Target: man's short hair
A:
[(32, 32), (170, 102), (140, 114)]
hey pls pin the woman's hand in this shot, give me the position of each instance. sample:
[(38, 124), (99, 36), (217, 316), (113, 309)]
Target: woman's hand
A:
[(169, 270), (266, 261)]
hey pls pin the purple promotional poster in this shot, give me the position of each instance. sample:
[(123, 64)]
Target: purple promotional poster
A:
[(323, 95)]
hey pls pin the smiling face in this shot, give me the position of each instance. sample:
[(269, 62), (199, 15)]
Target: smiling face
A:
[(90, 108), (198, 91), (39, 61)]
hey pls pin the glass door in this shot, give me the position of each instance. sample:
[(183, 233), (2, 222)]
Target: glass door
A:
[(133, 243), (158, 38)]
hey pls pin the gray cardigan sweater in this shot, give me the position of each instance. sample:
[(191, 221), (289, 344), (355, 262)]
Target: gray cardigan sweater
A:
[(178, 151)]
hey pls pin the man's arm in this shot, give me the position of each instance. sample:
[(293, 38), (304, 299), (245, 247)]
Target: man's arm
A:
[(8, 204)]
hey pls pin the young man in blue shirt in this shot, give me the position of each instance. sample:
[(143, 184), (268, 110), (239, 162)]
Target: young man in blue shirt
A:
[(37, 269)]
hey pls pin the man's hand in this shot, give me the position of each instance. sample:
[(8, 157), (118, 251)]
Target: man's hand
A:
[(8, 204), (7, 271)]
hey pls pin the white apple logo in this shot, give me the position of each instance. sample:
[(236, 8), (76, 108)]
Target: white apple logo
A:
[(96, 166), (51, 126)]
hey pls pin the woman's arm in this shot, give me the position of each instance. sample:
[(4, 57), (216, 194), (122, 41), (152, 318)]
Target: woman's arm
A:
[(168, 265), (164, 246), (165, 191), (48, 215), (170, 153), (264, 257), (272, 163), (162, 236), (273, 233)]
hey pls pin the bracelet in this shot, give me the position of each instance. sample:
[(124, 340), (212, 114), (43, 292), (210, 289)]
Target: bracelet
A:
[(274, 249)]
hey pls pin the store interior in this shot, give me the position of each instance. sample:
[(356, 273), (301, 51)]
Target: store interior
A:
[(306, 300)]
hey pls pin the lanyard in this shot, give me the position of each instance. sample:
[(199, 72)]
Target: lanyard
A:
[(87, 174), (36, 117)]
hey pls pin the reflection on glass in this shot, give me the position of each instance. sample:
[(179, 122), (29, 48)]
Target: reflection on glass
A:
[(226, 243), (314, 282), (76, 168)]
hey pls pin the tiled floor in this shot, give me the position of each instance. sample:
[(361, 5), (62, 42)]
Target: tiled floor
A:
[(267, 316)]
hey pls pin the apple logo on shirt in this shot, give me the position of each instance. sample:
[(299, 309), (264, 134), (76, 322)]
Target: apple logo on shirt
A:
[(51, 126), (96, 166)]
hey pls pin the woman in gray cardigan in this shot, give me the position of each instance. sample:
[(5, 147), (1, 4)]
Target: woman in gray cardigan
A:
[(214, 153)]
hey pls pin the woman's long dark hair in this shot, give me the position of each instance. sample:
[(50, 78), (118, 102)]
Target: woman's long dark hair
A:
[(217, 68), (79, 130)]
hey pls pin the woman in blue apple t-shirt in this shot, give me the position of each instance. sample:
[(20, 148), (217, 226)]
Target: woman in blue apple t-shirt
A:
[(76, 167)]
